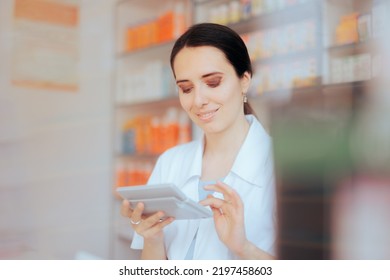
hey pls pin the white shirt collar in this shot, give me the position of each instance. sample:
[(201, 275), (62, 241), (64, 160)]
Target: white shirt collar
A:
[(254, 153)]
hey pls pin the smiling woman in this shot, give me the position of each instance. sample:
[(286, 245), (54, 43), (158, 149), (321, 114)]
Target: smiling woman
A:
[(229, 170), (222, 38), (210, 90)]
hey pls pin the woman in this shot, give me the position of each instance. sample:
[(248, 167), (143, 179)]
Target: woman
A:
[(230, 169)]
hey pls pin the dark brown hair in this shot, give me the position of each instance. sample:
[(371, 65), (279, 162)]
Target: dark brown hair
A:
[(223, 38)]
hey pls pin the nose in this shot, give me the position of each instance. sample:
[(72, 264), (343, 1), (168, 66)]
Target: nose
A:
[(200, 97)]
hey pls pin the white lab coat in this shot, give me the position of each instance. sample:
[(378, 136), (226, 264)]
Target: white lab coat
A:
[(251, 176)]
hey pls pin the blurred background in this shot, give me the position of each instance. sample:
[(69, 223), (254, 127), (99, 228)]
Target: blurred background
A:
[(88, 102)]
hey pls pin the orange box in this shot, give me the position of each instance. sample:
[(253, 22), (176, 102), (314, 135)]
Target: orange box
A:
[(347, 30), (47, 11), (130, 38), (121, 178), (165, 31)]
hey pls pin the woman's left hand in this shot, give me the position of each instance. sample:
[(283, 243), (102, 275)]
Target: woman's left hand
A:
[(228, 216)]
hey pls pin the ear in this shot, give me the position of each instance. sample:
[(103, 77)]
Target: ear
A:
[(245, 82)]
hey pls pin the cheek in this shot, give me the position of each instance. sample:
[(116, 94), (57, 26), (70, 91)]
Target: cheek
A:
[(185, 102), (229, 93)]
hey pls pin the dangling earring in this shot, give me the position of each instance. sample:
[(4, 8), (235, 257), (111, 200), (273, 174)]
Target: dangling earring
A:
[(245, 98)]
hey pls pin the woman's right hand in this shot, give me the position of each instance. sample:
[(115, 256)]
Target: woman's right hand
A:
[(150, 227)]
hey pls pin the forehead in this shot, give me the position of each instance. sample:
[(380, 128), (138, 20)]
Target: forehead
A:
[(197, 61)]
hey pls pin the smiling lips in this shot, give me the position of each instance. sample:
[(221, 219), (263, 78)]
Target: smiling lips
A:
[(206, 116)]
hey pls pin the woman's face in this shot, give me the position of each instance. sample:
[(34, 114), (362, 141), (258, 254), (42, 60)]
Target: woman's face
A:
[(210, 91)]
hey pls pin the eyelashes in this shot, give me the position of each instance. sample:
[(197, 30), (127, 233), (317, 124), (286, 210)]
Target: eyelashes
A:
[(214, 85), (211, 84), (186, 90)]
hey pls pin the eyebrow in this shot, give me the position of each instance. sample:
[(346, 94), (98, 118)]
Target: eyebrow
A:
[(203, 76)]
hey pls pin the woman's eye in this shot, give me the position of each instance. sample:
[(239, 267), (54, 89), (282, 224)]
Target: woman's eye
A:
[(214, 83), (186, 90)]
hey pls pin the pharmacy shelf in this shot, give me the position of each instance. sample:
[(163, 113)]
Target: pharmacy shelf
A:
[(329, 88), (277, 58), (352, 48), (291, 14), (286, 94), (143, 90), (142, 25), (147, 51), (150, 104), (148, 5), (357, 91), (277, 97)]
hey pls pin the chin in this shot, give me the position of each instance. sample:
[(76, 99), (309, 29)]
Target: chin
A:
[(211, 128)]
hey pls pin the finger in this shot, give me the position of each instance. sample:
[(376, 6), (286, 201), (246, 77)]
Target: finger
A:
[(152, 220), (137, 213), (221, 188), (126, 210), (228, 192), (218, 206), (212, 202), (150, 225), (216, 212), (157, 227)]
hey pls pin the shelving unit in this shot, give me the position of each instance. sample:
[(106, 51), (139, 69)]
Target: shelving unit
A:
[(147, 115), (288, 14), (284, 43), (351, 37), (311, 134), (145, 99)]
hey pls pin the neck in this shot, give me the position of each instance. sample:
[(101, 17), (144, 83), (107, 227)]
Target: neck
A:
[(228, 142)]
